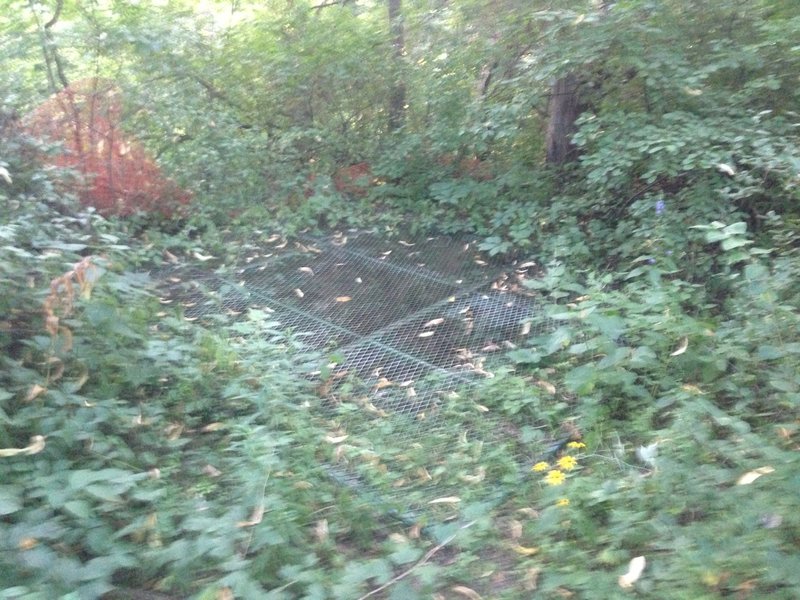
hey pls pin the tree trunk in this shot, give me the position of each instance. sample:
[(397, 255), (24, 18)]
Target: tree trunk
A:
[(397, 94), (562, 110)]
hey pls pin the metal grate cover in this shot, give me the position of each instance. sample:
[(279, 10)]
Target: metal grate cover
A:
[(407, 323)]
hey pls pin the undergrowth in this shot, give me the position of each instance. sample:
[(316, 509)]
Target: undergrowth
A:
[(656, 416)]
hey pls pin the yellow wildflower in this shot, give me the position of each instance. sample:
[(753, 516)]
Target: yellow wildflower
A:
[(555, 477), (576, 445), (563, 502), (567, 463), (540, 466)]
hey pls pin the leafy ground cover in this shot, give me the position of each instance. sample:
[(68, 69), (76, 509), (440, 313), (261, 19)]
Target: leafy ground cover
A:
[(142, 451), (146, 455)]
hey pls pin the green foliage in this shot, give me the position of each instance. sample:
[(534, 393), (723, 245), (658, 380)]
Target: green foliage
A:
[(668, 268)]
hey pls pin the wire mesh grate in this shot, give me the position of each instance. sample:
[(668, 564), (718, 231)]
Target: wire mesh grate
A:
[(408, 325)]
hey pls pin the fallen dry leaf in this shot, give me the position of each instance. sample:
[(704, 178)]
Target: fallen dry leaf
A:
[(479, 476), (446, 500), (382, 383), (466, 592), (434, 322), (37, 445), (426, 334), (336, 439), (255, 517), (211, 471), (321, 530), (546, 386), (525, 550), (299, 293), (34, 392), (681, 348), (343, 298), (27, 543), (308, 270), (530, 580), (727, 169), (751, 476), (635, 569), (515, 529)]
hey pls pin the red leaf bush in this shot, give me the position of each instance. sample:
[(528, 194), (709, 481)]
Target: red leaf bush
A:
[(121, 178)]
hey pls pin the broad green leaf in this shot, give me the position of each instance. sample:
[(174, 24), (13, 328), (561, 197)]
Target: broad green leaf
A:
[(78, 508), (10, 500), (769, 352), (739, 228), (103, 492), (525, 356), (582, 379), (734, 242)]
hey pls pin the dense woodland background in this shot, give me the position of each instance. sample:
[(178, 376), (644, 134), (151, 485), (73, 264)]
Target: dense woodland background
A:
[(645, 154)]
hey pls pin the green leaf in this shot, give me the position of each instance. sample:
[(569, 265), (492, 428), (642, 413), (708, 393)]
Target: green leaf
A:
[(784, 385), (405, 554), (525, 356), (615, 357), (739, 228), (715, 236), (103, 492), (731, 243), (404, 590), (10, 500), (78, 508), (558, 340), (643, 356), (581, 380), (769, 352)]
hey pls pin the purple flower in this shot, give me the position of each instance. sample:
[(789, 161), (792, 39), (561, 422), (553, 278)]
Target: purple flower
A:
[(651, 261), (661, 206)]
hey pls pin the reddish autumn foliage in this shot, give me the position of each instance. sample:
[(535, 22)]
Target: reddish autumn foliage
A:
[(353, 180), (121, 177)]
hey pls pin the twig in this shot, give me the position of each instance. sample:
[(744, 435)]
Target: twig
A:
[(246, 548), (419, 563)]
